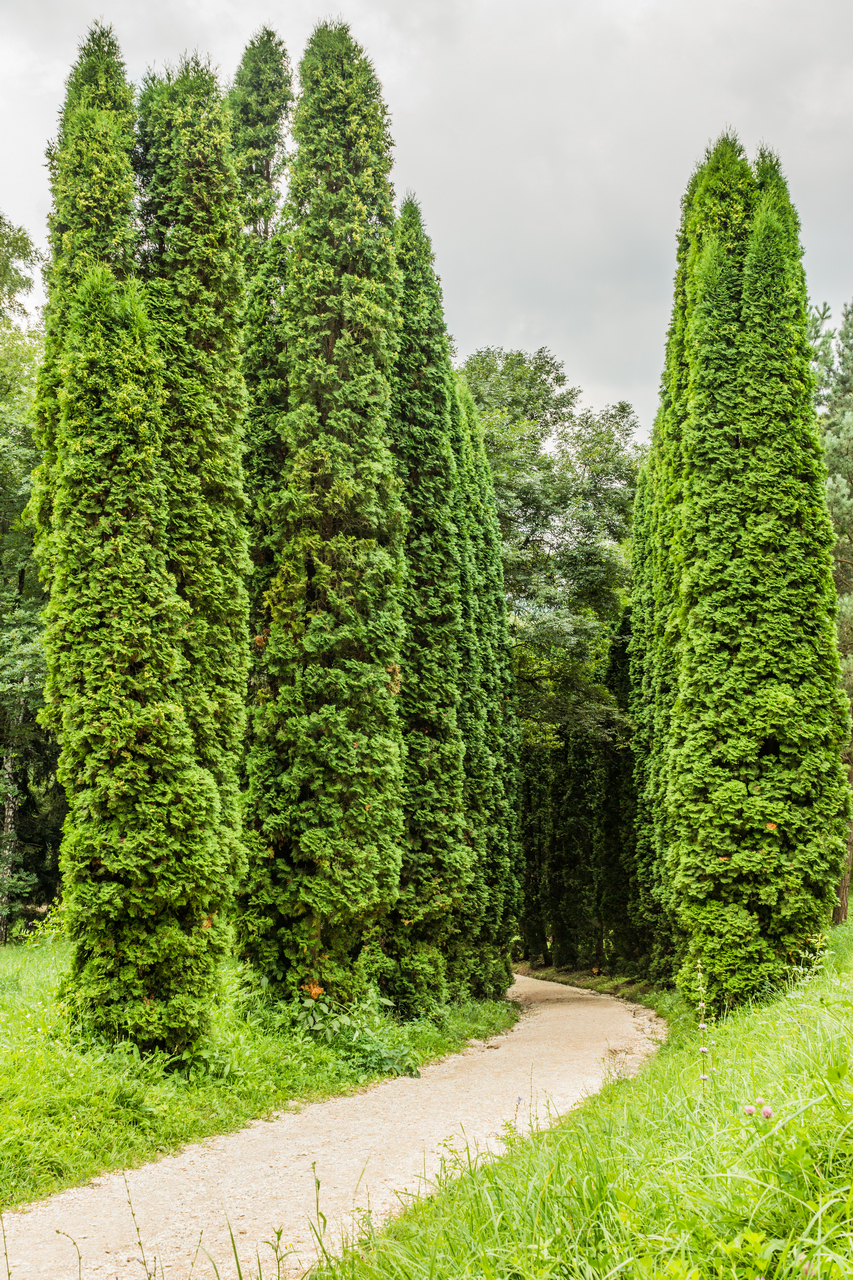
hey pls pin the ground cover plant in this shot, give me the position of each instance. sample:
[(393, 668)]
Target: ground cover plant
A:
[(72, 1107), (730, 1157)]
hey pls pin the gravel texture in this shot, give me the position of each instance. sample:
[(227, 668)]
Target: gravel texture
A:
[(369, 1151)]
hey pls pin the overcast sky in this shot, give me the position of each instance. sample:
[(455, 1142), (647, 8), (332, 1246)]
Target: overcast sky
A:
[(549, 141)]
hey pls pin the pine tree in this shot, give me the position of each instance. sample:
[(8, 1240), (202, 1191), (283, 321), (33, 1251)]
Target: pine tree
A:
[(436, 863), (326, 761), (746, 775), (192, 261), (489, 920)]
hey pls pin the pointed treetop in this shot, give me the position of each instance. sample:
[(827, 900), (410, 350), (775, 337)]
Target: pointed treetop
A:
[(99, 77), (260, 102)]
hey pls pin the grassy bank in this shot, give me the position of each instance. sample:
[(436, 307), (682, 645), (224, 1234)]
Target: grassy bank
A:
[(607, 984), (70, 1109), (667, 1175)]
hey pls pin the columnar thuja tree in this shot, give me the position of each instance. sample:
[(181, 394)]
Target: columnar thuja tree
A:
[(193, 266), (489, 916), (90, 222), (260, 103), (745, 779), (437, 862), (326, 760), (138, 853)]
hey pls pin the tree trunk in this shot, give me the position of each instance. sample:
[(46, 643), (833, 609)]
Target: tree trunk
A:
[(839, 914)]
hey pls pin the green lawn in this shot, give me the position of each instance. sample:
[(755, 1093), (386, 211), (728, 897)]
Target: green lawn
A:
[(666, 1175), (71, 1109)]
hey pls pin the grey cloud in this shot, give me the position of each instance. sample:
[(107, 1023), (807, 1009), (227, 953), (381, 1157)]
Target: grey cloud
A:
[(548, 141)]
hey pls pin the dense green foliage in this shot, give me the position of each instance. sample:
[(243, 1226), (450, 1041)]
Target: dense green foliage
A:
[(31, 800), (259, 102), (833, 369), (18, 257), (664, 1175), (112, 622), (436, 867), (740, 723), (70, 1109), (139, 839), (564, 483), (326, 757), (192, 262), (139, 486), (89, 223)]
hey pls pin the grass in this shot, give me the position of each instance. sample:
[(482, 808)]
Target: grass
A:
[(608, 984), (665, 1175), (70, 1109)]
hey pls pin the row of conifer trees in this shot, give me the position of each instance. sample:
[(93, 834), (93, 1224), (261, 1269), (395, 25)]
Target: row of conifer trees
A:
[(261, 471), (699, 829)]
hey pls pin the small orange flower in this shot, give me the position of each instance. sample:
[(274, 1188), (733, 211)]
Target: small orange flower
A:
[(771, 826), (313, 989)]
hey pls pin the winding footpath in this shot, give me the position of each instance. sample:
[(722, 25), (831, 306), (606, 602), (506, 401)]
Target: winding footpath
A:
[(369, 1151)]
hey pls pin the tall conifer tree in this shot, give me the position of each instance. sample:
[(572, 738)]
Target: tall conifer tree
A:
[(437, 862), (90, 222), (489, 917), (747, 785), (326, 760), (138, 858), (192, 260), (260, 102)]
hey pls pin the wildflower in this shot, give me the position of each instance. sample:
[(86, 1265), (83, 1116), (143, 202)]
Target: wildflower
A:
[(703, 1049), (703, 1026), (759, 1102), (749, 1111), (767, 1113), (704, 1077)]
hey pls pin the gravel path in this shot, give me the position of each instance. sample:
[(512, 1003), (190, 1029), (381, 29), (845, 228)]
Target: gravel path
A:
[(369, 1150)]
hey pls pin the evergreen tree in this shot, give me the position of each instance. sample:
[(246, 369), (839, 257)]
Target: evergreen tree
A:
[(436, 865), (259, 101), (745, 778), (90, 223), (141, 868), (138, 857), (192, 261), (564, 480), (326, 760), (489, 918)]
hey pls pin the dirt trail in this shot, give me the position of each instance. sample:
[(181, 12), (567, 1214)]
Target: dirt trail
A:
[(370, 1149)]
